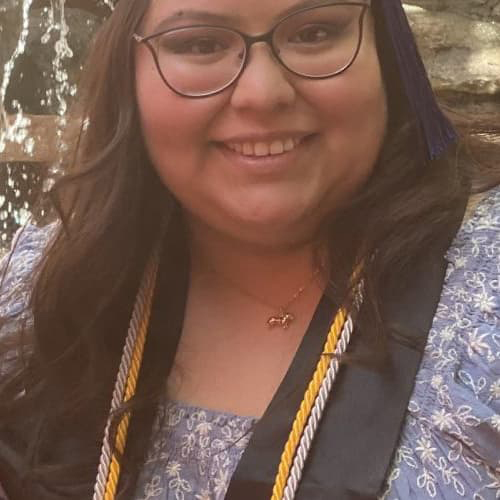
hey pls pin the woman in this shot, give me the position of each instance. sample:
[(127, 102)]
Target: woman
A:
[(236, 192)]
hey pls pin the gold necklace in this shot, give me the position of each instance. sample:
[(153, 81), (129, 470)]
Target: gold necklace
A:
[(283, 318)]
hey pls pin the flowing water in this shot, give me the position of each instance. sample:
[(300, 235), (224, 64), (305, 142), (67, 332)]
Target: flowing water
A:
[(42, 44)]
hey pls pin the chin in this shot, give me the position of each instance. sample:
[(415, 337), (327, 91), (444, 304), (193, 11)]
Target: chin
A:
[(273, 229), (262, 222)]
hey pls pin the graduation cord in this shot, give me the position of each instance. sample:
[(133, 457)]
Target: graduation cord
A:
[(108, 473), (304, 427), (311, 409), (306, 407), (317, 412)]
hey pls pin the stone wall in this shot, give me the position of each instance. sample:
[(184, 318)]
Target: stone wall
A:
[(486, 10), (462, 54), (460, 43)]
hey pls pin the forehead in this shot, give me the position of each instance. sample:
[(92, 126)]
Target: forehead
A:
[(253, 15)]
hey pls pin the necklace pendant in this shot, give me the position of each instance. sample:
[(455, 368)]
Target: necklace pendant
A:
[(283, 319)]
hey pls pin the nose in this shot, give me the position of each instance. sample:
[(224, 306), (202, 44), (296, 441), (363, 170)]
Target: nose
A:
[(264, 83)]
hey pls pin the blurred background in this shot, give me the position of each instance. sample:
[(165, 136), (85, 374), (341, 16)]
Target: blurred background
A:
[(43, 44)]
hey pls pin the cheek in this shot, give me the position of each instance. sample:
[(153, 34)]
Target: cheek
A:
[(174, 127), (356, 106), (353, 110), (167, 122)]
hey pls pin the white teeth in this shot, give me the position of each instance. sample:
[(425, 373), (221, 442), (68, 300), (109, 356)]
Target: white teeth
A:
[(276, 147), (261, 149), (289, 145), (248, 149)]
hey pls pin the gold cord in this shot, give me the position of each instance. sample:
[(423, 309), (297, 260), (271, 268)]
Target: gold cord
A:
[(307, 405), (133, 375)]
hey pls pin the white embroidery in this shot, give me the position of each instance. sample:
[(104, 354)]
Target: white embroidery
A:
[(194, 452), (450, 444)]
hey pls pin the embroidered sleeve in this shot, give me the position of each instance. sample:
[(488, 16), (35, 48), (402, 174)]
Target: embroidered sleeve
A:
[(16, 277), (450, 444)]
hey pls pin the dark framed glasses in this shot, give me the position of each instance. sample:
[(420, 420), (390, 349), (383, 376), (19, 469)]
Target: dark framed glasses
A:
[(203, 60)]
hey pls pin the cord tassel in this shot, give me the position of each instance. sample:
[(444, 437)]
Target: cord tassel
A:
[(435, 127)]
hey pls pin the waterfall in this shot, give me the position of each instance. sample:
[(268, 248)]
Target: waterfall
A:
[(42, 44)]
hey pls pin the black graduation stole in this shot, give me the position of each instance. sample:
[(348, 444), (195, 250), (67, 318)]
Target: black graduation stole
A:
[(359, 431)]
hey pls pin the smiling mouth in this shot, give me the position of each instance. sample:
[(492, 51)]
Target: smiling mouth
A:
[(265, 149)]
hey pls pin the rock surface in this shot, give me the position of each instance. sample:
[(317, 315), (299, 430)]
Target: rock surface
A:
[(487, 10), (37, 69), (461, 54), (460, 43)]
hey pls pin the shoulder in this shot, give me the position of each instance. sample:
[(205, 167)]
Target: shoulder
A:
[(474, 261), (17, 268), (451, 437), (482, 214)]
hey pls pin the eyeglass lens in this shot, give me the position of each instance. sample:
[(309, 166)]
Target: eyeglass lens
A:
[(316, 43)]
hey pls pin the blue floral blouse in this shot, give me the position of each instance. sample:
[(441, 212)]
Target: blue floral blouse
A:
[(449, 447)]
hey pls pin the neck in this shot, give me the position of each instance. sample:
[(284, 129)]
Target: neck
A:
[(272, 273)]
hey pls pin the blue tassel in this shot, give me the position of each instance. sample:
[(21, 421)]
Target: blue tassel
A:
[(437, 130)]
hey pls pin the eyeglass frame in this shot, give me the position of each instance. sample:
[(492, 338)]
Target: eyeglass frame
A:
[(250, 40)]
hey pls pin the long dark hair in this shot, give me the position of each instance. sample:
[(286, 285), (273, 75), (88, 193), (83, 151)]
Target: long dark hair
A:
[(111, 205)]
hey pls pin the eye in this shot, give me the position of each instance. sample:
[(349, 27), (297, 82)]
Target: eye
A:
[(199, 46), (315, 34), (205, 46)]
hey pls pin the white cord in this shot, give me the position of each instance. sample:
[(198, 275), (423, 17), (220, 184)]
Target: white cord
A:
[(318, 409), (146, 288)]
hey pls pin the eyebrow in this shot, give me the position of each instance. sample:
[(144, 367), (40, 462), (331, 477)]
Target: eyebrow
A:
[(225, 19)]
